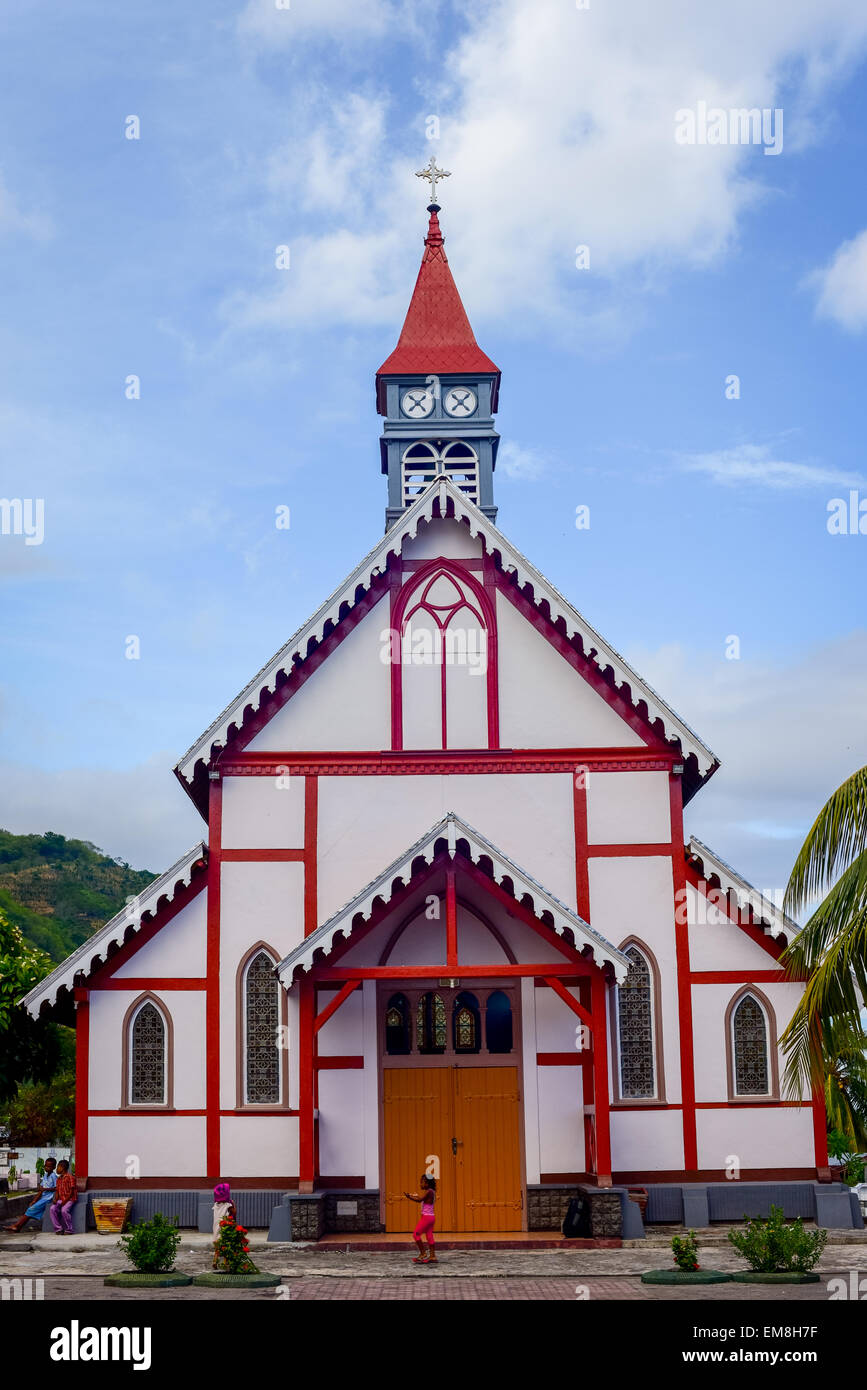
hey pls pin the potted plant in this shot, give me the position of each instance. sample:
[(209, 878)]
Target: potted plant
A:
[(13, 1178), (688, 1271), (151, 1247), (236, 1269), (778, 1252)]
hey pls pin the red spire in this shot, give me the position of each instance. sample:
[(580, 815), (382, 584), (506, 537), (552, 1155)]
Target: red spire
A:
[(436, 336)]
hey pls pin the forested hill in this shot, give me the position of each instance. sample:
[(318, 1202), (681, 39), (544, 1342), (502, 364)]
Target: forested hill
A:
[(59, 891)]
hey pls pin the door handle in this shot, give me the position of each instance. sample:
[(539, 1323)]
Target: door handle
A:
[(455, 1143)]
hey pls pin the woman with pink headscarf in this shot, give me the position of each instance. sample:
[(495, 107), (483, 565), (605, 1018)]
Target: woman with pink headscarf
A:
[(223, 1207)]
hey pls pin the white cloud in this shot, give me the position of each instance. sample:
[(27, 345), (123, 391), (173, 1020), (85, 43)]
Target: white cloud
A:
[(12, 219), (756, 464), (558, 126), (842, 285), (787, 735), (521, 463)]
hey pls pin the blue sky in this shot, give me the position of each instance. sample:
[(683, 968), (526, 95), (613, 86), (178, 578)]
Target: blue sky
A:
[(302, 126)]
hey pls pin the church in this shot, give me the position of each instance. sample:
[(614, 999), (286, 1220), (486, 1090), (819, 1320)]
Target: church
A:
[(443, 918)]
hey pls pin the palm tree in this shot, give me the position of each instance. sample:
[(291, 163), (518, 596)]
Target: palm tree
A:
[(825, 1043)]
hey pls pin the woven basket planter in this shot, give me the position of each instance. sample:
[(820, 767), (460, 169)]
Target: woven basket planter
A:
[(685, 1276), (134, 1279), (786, 1276), (215, 1280)]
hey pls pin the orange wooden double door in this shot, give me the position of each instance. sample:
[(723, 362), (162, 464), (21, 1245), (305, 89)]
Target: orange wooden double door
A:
[(463, 1122)]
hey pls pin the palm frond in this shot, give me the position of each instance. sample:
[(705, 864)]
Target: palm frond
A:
[(838, 834)]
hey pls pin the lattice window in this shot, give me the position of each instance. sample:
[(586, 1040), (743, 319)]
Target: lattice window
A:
[(430, 1027), (750, 1041), (465, 1023), (148, 1057), (635, 1029), (261, 1020), (429, 457)]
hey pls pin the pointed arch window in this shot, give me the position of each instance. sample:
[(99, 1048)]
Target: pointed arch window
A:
[(498, 1022), (262, 1053), (431, 1030), (466, 1023), (397, 1043), (637, 1029), (750, 1047), (446, 677), (147, 1054)]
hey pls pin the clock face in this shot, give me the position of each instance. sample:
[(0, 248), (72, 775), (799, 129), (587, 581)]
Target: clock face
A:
[(417, 403), (460, 400)]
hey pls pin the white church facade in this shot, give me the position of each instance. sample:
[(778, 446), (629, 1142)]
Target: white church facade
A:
[(444, 916)]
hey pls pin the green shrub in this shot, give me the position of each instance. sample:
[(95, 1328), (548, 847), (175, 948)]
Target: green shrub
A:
[(685, 1251), (774, 1246), (152, 1245)]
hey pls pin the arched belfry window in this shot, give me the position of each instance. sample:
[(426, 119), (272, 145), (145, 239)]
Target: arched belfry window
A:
[(147, 1048), (262, 1053), (454, 459), (750, 1048), (466, 1023), (636, 1029)]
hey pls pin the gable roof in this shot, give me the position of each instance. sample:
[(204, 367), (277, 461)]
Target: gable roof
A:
[(450, 832), (95, 951), (436, 336), (766, 915), (440, 499)]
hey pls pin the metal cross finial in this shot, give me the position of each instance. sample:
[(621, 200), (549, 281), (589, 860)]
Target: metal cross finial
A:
[(433, 174)]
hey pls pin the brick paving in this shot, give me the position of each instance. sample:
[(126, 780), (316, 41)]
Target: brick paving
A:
[(425, 1286)]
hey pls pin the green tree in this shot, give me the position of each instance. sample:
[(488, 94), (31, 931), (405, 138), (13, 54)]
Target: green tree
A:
[(825, 1041), (29, 1048)]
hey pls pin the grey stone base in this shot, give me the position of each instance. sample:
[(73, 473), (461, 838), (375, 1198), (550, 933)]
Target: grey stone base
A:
[(366, 1215), (547, 1207)]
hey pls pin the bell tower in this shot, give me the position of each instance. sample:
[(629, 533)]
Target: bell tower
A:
[(438, 391)]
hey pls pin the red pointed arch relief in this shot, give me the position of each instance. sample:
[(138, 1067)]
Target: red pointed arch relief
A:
[(443, 661)]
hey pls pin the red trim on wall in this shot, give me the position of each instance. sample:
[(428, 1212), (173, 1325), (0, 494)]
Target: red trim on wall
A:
[(444, 762), (563, 1059), (262, 856), (738, 977), (582, 870), (684, 988), (324, 973), (157, 982), (339, 1063), (332, 1007), (820, 1137), (629, 851), (260, 1114), (82, 1083), (601, 1128), (572, 1003), (493, 673), (212, 1005), (395, 582), (306, 1081), (755, 933), (451, 921), (311, 858), (143, 1110)]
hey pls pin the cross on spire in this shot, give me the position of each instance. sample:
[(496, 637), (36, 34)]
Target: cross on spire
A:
[(433, 175)]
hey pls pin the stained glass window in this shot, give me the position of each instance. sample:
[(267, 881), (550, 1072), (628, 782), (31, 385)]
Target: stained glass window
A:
[(635, 1029), (430, 1028), (261, 1019), (750, 1033), (465, 1023), (148, 1057), (498, 1022), (397, 1026)]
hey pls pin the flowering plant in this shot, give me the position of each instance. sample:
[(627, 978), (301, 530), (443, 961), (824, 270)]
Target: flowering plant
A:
[(685, 1251), (233, 1251)]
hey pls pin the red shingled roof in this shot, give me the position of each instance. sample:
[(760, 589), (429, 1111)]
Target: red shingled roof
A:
[(436, 334)]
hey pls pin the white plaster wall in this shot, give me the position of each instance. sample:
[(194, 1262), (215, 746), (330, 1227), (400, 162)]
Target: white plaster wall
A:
[(263, 812), (757, 1137), (423, 943), (259, 1146), (366, 822), (556, 1024), (167, 1146), (107, 1010), (635, 897), (646, 1139), (709, 1004), (342, 1122), (544, 703), (561, 1120), (717, 943), (259, 902), (346, 703), (343, 1034), (628, 808), (467, 690), (443, 536), (178, 949)]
